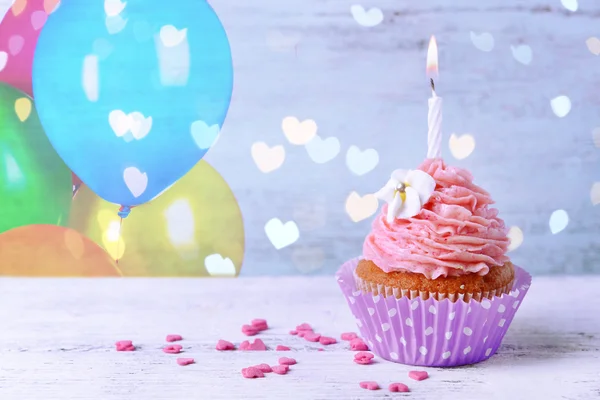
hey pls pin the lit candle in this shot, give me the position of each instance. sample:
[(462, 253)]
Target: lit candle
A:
[(434, 117)]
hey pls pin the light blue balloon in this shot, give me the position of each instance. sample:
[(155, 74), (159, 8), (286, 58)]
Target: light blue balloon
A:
[(132, 94)]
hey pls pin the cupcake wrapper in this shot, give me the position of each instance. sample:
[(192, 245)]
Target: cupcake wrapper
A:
[(430, 332)]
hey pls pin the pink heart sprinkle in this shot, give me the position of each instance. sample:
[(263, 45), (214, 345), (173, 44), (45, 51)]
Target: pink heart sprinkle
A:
[(304, 327), (370, 385), (286, 361), (349, 336), (249, 330), (252, 372), (185, 361), (312, 337), (15, 44), (38, 19), (258, 345), (172, 349), (363, 358), (245, 345), (265, 368), (324, 340), (125, 345), (225, 345), (358, 345), (418, 375), (282, 348), (398, 387), (280, 369), (260, 324), (174, 338)]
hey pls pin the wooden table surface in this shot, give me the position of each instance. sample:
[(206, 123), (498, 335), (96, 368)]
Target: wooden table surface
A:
[(57, 342)]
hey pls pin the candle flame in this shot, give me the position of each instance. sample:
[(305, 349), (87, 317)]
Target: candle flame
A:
[(432, 59)]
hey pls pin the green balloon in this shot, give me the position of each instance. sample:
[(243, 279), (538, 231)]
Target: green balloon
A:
[(35, 184)]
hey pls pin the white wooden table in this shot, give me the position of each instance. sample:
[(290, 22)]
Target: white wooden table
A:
[(57, 342)]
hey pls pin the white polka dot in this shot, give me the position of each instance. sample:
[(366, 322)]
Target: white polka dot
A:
[(370, 343), (501, 308), (428, 331), (376, 299), (502, 321), (516, 304), (356, 294), (515, 293), (414, 305), (371, 311), (393, 356), (468, 331), (385, 327), (484, 339), (452, 315), (448, 335), (432, 310), (408, 322), (392, 312), (469, 310), (486, 304), (340, 280), (488, 352), (378, 338), (352, 300), (446, 355), (467, 350), (423, 350), (403, 341), (359, 323)]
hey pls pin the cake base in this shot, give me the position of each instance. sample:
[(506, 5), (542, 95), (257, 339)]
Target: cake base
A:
[(370, 278)]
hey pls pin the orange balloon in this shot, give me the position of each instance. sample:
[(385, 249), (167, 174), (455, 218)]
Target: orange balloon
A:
[(52, 251)]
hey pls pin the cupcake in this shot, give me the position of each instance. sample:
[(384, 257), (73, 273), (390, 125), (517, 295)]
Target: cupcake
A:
[(434, 286)]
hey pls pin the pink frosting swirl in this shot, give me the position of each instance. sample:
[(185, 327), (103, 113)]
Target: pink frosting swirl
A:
[(454, 234)]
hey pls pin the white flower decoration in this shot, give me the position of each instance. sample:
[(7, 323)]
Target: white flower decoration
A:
[(406, 192)]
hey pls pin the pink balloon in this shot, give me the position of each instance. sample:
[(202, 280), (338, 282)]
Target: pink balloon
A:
[(18, 37)]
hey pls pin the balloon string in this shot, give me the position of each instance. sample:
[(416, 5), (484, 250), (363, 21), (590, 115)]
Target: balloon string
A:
[(123, 213), (119, 241)]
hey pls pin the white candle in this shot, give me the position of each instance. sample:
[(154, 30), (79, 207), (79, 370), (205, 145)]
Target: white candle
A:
[(434, 117), (434, 123)]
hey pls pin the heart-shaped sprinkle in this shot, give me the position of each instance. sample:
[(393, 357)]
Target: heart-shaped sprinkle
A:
[(172, 349), (369, 385), (418, 375), (286, 361), (173, 338), (252, 373), (398, 387), (280, 369), (224, 345)]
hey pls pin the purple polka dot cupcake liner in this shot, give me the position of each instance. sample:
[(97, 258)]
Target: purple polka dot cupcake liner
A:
[(432, 333)]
